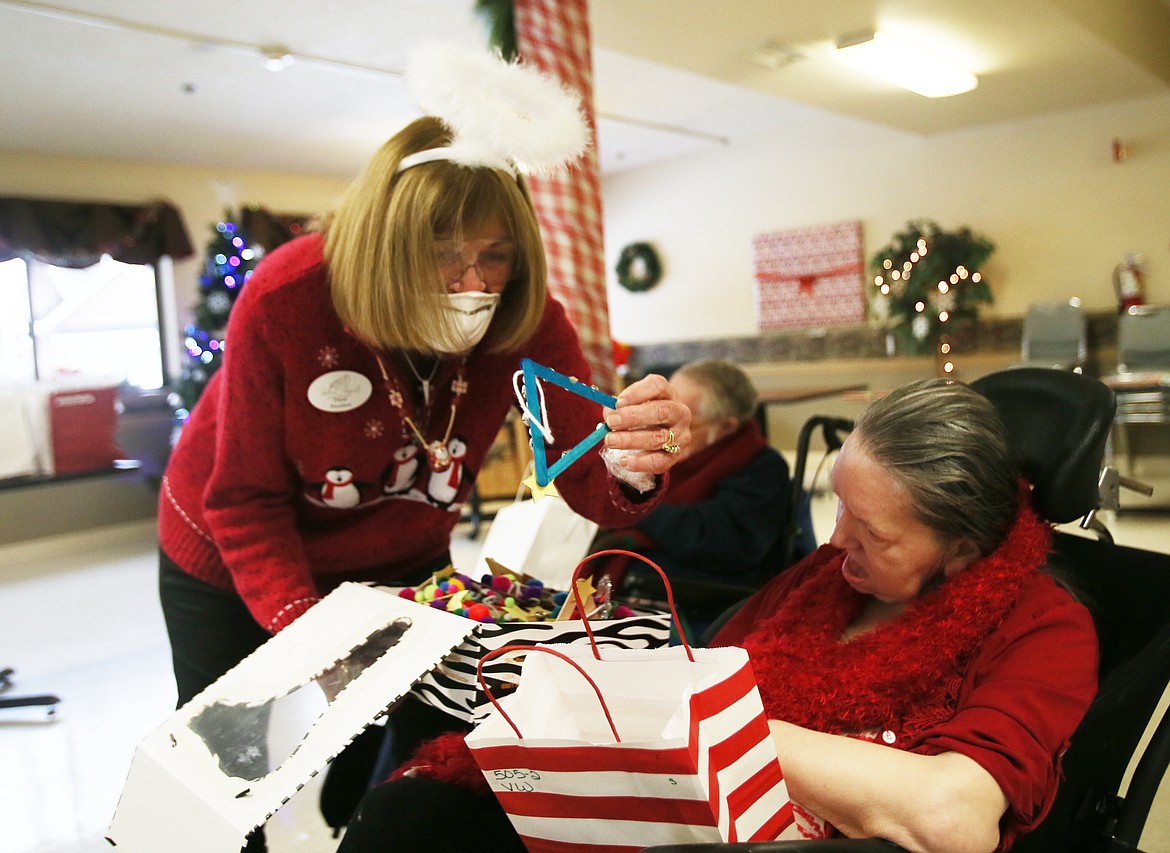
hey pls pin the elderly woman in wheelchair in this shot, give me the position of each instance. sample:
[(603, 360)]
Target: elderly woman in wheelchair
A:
[(928, 625), (922, 672)]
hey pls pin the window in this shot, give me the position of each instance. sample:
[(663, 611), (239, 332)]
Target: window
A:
[(102, 320)]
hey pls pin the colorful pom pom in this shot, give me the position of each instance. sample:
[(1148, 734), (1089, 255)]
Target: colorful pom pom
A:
[(479, 612)]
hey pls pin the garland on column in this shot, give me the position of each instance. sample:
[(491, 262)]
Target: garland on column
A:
[(500, 17)]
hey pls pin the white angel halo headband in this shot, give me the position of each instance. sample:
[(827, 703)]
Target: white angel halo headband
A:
[(465, 156), (502, 115)]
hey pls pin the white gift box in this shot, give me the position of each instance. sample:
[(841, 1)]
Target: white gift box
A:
[(228, 759), (25, 450)]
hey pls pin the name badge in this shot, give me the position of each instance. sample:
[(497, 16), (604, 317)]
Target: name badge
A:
[(340, 391)]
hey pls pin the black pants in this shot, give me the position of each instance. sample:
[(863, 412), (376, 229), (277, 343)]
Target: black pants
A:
[(413, 814), (211, 630)]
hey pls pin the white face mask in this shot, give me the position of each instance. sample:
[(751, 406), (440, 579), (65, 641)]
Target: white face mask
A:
[(468, 317)]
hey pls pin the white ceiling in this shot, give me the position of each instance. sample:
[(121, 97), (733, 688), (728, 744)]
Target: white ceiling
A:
[(178, 81)]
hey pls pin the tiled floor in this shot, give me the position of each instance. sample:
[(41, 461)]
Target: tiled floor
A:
[(79, 617)]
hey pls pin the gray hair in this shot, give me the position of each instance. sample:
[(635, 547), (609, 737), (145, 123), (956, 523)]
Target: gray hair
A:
[(730, 392), (946, 444)]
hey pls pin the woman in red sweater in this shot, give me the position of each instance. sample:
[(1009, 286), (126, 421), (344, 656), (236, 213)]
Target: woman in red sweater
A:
[(922, 673), (369, 370)]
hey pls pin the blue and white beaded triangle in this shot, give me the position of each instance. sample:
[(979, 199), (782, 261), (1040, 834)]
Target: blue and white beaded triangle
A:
[(538, 431)]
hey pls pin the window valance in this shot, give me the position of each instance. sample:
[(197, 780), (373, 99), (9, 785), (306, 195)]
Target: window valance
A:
[(261, 225), (76, 234)]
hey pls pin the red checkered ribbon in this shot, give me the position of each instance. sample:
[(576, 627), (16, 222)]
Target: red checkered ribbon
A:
[(553, 35)]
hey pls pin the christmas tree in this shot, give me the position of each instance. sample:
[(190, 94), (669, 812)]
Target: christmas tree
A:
[(925, 279), (227, 267)]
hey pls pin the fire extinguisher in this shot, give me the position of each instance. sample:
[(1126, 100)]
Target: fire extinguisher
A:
[(1129, 282)]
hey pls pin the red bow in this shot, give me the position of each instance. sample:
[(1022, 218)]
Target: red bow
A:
[(806, 281)]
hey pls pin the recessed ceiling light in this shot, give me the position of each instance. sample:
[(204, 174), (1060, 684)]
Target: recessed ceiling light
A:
[(904, 65), (772, 54)]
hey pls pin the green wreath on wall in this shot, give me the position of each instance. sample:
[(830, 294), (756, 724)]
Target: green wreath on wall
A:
[(638, 267)]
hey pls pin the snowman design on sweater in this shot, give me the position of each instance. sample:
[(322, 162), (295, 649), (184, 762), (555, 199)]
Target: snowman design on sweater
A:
[(443, 486), (403, 470), (406, 477), (339, 490)]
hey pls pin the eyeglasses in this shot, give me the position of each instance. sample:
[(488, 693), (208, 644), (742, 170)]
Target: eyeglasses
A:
[(494, 260)]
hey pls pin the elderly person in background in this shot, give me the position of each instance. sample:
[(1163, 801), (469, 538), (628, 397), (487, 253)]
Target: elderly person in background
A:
[(922, 672), (724, 512)]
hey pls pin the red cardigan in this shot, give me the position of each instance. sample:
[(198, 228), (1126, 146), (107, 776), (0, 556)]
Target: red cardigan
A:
[(1023, 692), (283, 499)]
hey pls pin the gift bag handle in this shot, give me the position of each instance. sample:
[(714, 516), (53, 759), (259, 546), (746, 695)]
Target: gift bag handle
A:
[(498, 652), (665, 580)]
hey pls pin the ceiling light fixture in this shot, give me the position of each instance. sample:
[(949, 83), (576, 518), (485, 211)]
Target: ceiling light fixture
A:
[(903, 65), (772, 54), (276, 57)]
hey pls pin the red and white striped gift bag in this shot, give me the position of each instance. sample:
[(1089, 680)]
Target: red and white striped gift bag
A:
[(679, 751)]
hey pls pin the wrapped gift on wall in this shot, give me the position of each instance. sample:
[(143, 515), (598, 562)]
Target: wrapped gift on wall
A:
[(810, 277), (83, 421)]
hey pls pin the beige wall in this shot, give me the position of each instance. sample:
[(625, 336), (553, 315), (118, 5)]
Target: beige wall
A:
[(201, 193), (1045, 190)]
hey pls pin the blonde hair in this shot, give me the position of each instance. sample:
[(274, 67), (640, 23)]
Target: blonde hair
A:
[(380, 245)]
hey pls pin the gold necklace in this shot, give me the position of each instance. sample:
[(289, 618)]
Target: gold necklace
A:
[(438, 454), (425, 383)]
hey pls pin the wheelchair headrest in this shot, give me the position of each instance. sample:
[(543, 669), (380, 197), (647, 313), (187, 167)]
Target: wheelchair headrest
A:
[(1058, 423)]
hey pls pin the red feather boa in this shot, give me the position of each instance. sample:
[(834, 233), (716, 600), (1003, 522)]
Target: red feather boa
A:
[(903, 675), (447, 759)]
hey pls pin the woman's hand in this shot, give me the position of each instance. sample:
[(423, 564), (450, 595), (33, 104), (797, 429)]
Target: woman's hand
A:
[(648, 418)]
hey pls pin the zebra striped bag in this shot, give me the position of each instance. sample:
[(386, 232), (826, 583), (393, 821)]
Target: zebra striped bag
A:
[(452, 686), (455, 685)]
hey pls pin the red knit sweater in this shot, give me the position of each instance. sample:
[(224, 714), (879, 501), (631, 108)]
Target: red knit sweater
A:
[(283, 493), (1010, 702)]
